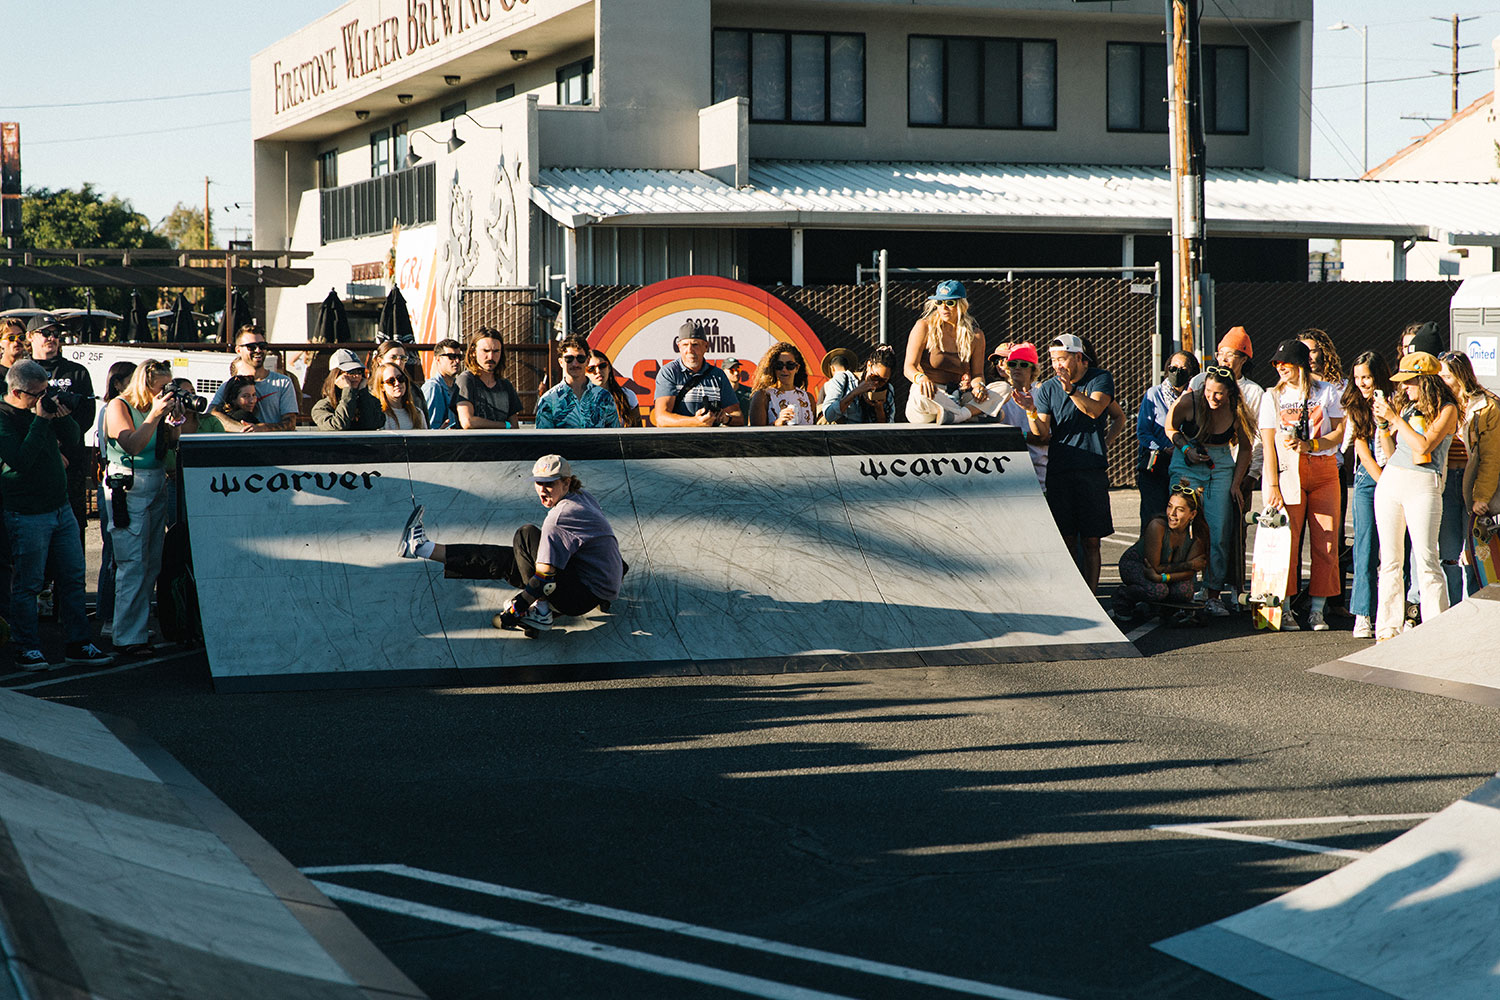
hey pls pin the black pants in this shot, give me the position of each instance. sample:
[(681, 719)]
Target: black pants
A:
[(515, 564)]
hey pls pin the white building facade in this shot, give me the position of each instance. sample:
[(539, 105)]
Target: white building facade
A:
[(625, 141)]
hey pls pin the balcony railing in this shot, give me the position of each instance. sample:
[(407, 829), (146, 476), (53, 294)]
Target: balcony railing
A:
[(366, 208)]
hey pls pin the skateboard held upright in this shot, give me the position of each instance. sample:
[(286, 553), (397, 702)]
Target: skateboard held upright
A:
[(1270, 564)]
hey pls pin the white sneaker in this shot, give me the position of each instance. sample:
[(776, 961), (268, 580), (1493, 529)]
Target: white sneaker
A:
[(1214, 606), (412, 536), (1315, 621), (1362, 628), (539, 619)]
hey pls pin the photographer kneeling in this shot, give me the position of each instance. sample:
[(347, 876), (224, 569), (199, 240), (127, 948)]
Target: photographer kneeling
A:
[(141, 424)]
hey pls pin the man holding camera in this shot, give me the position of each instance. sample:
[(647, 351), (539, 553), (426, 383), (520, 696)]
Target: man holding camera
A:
[(39, 521), (690, 392), (67, 376)]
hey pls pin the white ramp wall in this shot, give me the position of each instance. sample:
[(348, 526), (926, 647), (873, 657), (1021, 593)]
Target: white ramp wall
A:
[(749, 551)]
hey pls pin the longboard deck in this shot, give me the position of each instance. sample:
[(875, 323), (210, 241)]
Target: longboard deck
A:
[(1271, 563), (1484, 544)]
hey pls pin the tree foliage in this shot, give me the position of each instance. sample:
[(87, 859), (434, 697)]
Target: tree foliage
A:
[(183, 228), (83, 218)]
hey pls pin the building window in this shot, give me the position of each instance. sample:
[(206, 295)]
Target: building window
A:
[(399, 139), (328, 169), (970, 82), (1137, 88), (453, 110), (505, 93), (792, 76), (575, 82), (380, 152), (1226, 89)]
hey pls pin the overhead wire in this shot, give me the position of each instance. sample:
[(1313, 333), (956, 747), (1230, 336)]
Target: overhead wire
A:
[(123, 100), (137, 132)]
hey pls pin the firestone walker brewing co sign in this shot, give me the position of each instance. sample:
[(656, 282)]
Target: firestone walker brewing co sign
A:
[(365, 47), (739, 321)]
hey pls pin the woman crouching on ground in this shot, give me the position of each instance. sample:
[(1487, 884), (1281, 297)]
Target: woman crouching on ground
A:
[(1163, 565)]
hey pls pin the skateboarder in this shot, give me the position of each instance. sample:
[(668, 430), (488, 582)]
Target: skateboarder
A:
[(572, 562)]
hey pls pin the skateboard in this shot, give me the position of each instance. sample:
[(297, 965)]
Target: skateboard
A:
[(1179, 614), (506, 623), (1485, 538), (1270, 564)]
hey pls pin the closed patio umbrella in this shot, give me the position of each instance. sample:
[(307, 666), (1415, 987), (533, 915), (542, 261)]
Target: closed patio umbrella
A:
[(135, 326), (333, 323), (182, 327), (395, 319)]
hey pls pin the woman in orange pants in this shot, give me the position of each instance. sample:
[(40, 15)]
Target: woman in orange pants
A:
[(1302, 424)]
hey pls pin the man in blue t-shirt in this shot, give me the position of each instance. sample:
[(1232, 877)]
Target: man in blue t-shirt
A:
[(1073, 410), (690, 392), (572, 562)]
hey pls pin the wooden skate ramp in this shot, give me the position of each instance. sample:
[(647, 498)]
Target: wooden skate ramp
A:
[(750, 551), (1457, 654)]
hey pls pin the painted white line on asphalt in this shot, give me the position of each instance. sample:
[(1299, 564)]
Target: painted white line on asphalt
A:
[(1222, 830), (132, 665), (1141, 630), (898, 972), (751, 985)]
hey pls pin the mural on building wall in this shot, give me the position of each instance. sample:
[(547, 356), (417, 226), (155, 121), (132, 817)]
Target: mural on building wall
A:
[(500, 225), (459, 254), (741, 321)]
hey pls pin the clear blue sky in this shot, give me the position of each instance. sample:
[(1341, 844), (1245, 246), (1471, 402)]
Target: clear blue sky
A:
[(156, 150)]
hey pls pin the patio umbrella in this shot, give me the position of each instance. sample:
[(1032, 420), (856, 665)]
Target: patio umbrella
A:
[(135, 327), (182, 327), (240, 310), (395, 319), (333, 325)]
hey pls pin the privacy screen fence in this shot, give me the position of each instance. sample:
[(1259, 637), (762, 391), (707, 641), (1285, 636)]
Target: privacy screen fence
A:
[(1117, 316)]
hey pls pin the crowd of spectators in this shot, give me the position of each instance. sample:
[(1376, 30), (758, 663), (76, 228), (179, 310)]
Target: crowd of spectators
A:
[(1413, 454)]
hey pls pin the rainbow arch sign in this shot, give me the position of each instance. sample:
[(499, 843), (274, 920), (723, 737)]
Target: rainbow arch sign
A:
[(640, 334)]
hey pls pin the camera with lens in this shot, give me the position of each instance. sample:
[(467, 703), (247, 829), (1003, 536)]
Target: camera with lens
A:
[(118, 484), (55, 399), (188, 400)]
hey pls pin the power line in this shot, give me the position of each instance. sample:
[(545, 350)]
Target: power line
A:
[(125, 100), (137, 132), (1434, 75)]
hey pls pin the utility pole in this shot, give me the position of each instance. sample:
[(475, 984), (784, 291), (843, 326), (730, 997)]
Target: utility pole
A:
[(1185, 137), (1455, 20), (205, 213)]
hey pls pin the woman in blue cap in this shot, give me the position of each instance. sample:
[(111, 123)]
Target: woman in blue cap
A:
[(945, 362)]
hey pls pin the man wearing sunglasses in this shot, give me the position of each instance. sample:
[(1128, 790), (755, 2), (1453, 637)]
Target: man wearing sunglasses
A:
[(45, 334), (277, 407), (575, 401), (438, 392)]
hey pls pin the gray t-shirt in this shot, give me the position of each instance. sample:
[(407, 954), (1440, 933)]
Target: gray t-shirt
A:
[(577, 534), (276, 398), (500, 404)]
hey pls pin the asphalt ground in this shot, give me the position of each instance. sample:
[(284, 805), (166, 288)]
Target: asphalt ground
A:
[(924, 832)]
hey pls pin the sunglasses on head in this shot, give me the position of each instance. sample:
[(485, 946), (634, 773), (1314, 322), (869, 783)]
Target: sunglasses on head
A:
[(1187, 493), (1217, 371)]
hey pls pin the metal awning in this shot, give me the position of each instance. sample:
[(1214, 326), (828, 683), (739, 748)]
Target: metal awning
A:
[(115, 276), (1019, 198)]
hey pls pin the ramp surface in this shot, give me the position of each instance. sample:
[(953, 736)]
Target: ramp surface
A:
[(1415, 920), (749, 551), (122, 877), (1457, 654)]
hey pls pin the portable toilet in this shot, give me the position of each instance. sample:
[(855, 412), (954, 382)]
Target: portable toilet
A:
[(1474, 315)]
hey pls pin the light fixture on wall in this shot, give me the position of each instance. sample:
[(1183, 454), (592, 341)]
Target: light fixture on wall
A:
[(453, 143), (404, 98), (519, 55), (452, 79), (361, 115)]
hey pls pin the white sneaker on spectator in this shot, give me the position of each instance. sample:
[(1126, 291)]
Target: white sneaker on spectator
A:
[(1362, 627), (1214, 606), (412, 536), (1315, 621)]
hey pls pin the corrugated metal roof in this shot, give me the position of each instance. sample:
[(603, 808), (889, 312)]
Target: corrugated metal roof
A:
[(1024, 197)]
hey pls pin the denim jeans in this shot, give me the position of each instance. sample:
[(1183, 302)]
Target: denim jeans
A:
[(1366, 547), (1215, 483), (1462, 580), (34, 540)]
